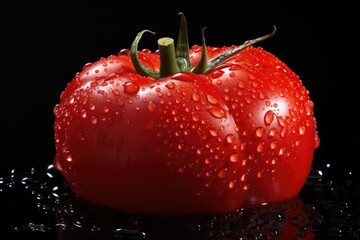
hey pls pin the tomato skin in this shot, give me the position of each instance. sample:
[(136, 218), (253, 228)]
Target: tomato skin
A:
[(273, 112), (187, 143)]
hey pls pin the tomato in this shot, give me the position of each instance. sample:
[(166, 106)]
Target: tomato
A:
[(200, 130)]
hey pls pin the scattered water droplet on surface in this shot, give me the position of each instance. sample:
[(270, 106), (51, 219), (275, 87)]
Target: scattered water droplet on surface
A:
[(216, 112), (131, 88)]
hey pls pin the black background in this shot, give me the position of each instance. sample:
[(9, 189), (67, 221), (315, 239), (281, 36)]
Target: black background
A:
[(45, 44)]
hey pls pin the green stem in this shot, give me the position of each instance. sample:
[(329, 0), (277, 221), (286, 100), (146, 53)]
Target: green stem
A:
[(176, 60), (139, 67), (168, 63)]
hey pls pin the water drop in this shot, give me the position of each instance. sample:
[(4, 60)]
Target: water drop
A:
[(308, 109), (217, 74), (92, 107), (230, 138), (94, 84), (272, 132), (195, 97), (273, 144), (232, 184), (170, 85), (262, 95), (234, 157), (302, 130), (124, 52), (207, 161), (93, 120), (260, 147), (317, 141), (259, 132), (213, 132), (241, 84), (83, 113), (216, 112), (222, 173), (68, 157), (281, 151), (195, 118), (151, 106), (130, 87), (183, 76), (116, 92), (211, 99)]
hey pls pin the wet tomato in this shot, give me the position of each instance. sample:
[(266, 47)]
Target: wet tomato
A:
[(200, 130)]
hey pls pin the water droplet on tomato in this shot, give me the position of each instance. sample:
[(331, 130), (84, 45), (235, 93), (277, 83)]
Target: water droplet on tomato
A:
[(207, 161), (281, 121), (195, 97), (302, 130), (183, 76), (124, 52), (92, 107), (241, 84), (93, 120), (195, 118), (234, 157), (281, 151), (211, 99), (317, 141), (130, 87), (232, 184), (273, 144), (213, 132), (272, 132), (260, 147), (83, 113), (222, 173), (259, 132), (151, 106), (262, 95), (216, 112), (229, 139), (116, 92), (308, 109), (94, 84), (119, 103), (170, 85), (68, 157), (217, 74)]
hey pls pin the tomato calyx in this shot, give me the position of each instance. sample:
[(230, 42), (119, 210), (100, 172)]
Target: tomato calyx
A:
[(176, 59)]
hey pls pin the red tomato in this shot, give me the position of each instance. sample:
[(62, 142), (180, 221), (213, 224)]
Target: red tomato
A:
[(142, 133)]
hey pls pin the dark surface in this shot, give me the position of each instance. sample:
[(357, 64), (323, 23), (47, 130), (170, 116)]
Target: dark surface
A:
[(44, 45)]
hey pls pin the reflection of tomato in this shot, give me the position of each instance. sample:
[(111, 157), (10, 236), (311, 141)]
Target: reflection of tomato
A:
[(147, 133)]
